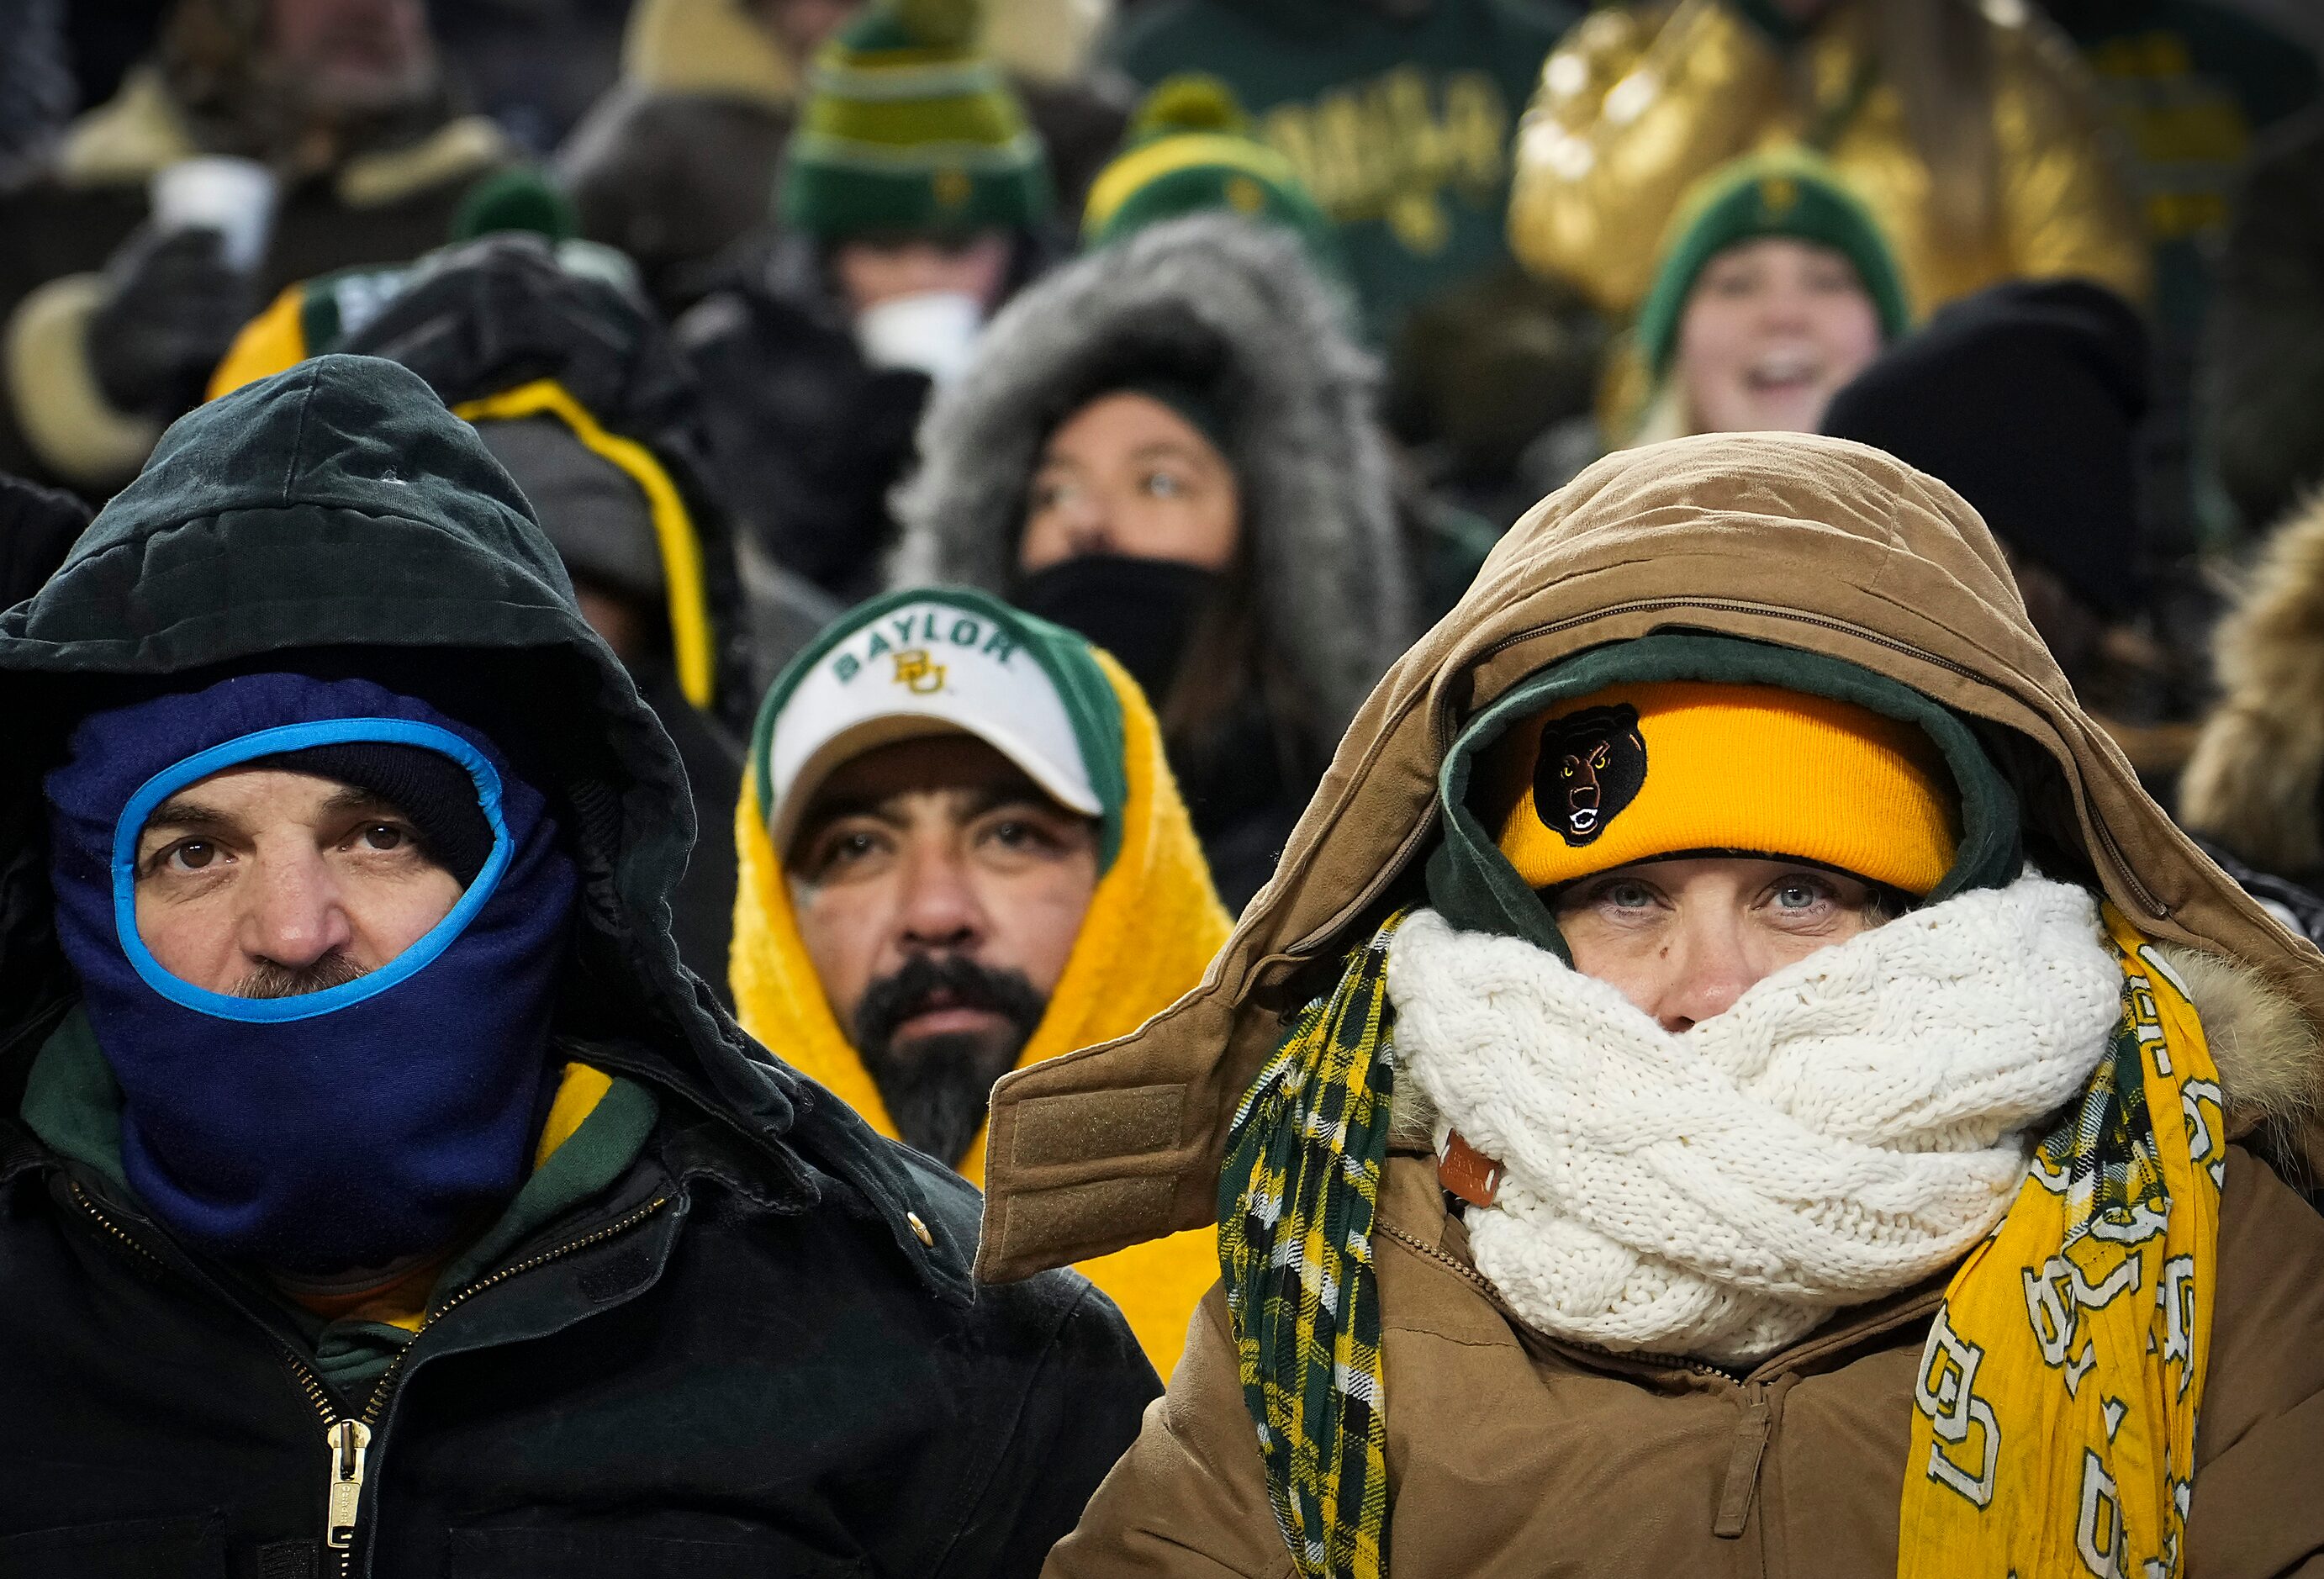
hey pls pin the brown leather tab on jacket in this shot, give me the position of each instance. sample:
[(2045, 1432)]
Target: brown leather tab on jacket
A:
[(1467, 1172)]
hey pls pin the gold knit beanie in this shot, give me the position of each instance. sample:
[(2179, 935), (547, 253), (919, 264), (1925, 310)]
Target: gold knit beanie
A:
[(1668, 768)]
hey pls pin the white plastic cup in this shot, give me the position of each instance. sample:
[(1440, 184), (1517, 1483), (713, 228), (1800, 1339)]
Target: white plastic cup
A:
[(233, 197), (934, 331)]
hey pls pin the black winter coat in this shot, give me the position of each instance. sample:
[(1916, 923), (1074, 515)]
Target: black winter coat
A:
[(759, 1351)]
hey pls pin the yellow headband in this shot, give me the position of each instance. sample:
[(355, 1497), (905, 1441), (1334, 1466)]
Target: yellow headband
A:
[(1638, 771)]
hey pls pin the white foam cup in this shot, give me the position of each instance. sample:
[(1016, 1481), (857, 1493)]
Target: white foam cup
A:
[(233, 197)]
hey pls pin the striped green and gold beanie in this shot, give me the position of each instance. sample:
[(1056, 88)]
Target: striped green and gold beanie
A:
[(905, 128), (1788, 192), (1190, 150)]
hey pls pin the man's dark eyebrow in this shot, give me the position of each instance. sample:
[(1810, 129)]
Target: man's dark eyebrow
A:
[(1017, 790), (824, 812), (178, 816), (354, 798), (991, 798), (189, 816)]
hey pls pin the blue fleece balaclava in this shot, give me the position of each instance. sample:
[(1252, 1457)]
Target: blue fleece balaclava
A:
[(345, 1128)]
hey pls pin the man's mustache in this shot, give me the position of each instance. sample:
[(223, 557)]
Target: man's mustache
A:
[(270, 980), (943, 981)]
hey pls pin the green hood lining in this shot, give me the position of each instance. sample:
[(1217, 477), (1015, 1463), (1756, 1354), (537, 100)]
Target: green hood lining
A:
[(1090, 702), (1473, 884)]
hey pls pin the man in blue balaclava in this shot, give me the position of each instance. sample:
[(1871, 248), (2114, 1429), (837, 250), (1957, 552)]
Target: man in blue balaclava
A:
[(343, 913), (378, 1191)]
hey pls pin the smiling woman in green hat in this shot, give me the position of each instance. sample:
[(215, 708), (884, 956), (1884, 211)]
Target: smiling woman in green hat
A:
[(1773, 287)]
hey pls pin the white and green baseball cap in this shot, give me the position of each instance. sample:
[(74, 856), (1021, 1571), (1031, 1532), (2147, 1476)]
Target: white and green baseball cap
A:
[(942, 661)]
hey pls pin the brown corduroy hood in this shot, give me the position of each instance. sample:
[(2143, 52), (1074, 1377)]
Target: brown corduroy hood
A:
[(1805, 542)]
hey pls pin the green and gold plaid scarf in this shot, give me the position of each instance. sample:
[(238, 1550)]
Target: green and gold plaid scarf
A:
[(1296, 1202)]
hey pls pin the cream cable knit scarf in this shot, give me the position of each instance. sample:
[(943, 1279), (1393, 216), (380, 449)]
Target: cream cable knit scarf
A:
[(1852, 1125)]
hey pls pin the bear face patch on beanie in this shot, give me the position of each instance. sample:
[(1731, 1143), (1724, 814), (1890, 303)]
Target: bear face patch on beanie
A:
[(1590, 765), (1670, 768)]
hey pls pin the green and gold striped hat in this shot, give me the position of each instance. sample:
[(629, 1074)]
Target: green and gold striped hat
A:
[(1191, 150), (907, 128)]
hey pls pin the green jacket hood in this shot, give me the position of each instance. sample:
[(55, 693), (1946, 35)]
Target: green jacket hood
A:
[(336, 518)]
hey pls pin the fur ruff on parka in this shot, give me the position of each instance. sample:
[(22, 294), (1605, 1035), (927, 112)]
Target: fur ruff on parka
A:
[(1318, 501), (2257, 780)]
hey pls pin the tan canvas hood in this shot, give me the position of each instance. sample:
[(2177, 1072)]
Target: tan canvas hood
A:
[(1807, 542)]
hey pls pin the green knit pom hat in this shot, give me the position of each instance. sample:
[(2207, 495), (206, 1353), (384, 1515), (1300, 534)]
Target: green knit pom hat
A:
[(1190, 150), (906, 128), (1791, 193)]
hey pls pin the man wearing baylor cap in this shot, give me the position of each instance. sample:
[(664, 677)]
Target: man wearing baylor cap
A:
[(1733, 1076), (963, 853), (379, 1193)]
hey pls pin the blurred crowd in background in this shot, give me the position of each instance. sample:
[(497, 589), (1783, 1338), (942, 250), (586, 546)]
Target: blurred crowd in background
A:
[(1230, 333)]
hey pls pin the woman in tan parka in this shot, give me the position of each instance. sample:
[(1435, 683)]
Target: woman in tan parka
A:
[(1914, 1241), (1968, 129)]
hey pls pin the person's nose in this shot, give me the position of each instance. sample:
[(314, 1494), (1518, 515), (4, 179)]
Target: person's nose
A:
[(1088, 523), (296, 914), (1710, 969), (1785, 309), (941, 910)]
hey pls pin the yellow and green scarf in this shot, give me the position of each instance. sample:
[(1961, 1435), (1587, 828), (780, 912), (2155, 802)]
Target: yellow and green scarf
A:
[(2056, 1400), (2058, 1393)]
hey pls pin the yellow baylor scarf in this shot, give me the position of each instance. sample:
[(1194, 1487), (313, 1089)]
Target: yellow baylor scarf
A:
[(2058, 1394), (1152, 927)]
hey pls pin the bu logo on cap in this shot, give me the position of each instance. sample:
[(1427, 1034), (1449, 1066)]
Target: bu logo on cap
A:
[(1592, 766), (916, 674)]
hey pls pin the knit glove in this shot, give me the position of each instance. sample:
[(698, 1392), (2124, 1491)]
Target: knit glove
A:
[(171, 308)]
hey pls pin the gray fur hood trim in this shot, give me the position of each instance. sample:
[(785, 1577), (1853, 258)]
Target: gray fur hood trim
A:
[(1335, 589), (2258, 768)]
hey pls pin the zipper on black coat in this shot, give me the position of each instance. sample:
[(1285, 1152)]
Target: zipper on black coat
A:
[(347, 1439)]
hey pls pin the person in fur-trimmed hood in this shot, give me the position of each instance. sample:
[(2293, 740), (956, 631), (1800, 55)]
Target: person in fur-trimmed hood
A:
[(1170, 447), (1733, 1076), (2256, 783)]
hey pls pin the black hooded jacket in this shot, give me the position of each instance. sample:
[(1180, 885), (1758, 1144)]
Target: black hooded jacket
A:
[(758, 1351)]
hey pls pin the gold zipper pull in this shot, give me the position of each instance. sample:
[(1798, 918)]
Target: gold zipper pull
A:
[(346, 1439)]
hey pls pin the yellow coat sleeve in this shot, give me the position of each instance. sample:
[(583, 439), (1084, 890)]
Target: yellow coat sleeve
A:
[(1633, 106), (2065, 208)]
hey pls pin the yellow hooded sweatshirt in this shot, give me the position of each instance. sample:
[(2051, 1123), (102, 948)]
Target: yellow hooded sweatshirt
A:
[(1152, 927)]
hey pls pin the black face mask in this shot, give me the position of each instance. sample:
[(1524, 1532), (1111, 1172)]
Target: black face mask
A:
[(1142, 611)]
